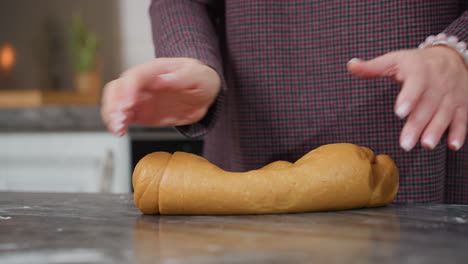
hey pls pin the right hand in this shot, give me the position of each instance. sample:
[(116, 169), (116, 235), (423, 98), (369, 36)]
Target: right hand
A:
[(162, 92)]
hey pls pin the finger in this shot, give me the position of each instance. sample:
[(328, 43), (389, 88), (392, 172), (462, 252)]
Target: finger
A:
[(190, 70), (457, 132), (383, 66), (107, 99), (145, 80), (140, 81), (155, 67), (160, 67), (117, 102), (117, 123), (438, 125), (122, 95), (193, 80), (121, 122), (410, 94), (419, 119), (189, 84)]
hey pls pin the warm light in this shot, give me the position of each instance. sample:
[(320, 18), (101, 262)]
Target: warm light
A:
[(7, 57)]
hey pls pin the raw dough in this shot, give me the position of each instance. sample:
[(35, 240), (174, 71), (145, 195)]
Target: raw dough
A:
[(331, 177)]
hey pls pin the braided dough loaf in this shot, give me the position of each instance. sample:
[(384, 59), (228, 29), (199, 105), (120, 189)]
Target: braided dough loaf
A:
[(331, 177)]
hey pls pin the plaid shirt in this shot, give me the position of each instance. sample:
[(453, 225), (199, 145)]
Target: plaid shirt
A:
[(286, 89)]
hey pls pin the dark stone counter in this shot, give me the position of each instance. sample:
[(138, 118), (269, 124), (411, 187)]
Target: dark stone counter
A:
[(70, 119), (97, 228), (51, 118)]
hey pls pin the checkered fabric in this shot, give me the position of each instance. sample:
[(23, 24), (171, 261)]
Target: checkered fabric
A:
[(286, 88)]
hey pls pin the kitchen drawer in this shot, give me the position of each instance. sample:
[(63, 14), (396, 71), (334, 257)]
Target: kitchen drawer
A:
[(64, 162)]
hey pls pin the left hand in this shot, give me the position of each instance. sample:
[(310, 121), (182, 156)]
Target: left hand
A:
[(434, 95)]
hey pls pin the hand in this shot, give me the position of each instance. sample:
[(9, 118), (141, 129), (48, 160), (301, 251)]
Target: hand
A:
[(162, 92), (434, 95)]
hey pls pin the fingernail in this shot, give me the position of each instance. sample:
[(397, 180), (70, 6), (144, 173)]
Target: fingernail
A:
[(118, 117), (117, 123), (430, 142), (125, 106), (116, 127), (353, 60), (168, 76), (407, 143), (119, 126), (456, 144), (403, 110), (120, 134)]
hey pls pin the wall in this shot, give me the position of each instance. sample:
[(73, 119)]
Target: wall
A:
[(38, 30), (136, 41)]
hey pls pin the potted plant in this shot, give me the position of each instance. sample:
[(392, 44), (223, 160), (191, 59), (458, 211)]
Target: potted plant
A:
[(83, 47)]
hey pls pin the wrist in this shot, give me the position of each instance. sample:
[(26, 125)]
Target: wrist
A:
[(449, 52), (449, 43)]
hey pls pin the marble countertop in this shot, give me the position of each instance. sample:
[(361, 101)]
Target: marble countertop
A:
[(105, 228)]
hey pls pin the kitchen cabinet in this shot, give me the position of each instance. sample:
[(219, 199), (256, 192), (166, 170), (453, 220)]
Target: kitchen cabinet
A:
[(86, 161)]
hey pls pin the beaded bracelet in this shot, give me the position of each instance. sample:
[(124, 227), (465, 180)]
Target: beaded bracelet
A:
[(451, 41)]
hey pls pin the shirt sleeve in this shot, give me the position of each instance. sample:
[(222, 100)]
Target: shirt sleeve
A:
[(459, 27), (187, 28)]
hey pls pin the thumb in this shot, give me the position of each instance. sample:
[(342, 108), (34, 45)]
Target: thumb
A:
[(383, 66), (174, 80), (193, 77), (179, 79)]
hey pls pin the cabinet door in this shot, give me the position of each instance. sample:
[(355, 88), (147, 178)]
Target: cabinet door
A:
[(64, 162)]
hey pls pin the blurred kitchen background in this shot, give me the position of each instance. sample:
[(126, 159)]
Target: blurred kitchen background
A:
[(55, 57)]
